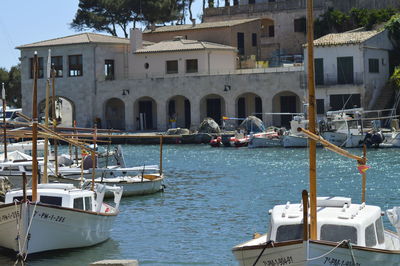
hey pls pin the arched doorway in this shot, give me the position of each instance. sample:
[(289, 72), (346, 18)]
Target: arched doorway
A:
[(248, 104), (64, 111), (115, 113), (145, 113), (285, 102), (178, 109), (212, 106)]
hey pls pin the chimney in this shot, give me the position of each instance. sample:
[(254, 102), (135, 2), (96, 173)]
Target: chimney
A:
[(193, 22), (136, 40)]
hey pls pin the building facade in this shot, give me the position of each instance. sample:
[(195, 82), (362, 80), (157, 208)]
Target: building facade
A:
[(351, 69), (133, 85)]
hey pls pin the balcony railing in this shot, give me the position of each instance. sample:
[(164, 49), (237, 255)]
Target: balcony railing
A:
[(260, 70), (332, 79)]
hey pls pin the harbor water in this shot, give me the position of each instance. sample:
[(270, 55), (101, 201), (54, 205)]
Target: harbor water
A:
[(216, 198)]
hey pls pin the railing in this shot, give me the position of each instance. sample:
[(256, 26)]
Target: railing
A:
[(332, 79), (218, 72)]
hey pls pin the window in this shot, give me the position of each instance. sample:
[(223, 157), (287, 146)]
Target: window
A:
[(172, 67), (320, 106), (289, 232), (109, 69), (19, 198), (373, 65), (271, 31), (379, 230), (88, 203), (78, 203), (240, 42), (40, 67), (370, 239), (319, 71), (344, 101), (337, 233), (57, 65), (300, 25), (75, 65), (51, 200), (191, 66), (254, 39), (345, 70)]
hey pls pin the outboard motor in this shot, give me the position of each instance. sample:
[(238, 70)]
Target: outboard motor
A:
[(377, 138)]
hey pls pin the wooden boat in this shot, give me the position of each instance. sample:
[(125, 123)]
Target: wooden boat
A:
[(294, 138), (339, 232), (265, 139), (62, 217), (133, 185), (54, 216)]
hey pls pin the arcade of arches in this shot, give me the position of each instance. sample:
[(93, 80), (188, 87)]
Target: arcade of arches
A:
[(179, 111)]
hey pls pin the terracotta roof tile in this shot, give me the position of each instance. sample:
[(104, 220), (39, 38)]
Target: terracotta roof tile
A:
[(81, 38), (180, 44), (345, 38), (205, 25)]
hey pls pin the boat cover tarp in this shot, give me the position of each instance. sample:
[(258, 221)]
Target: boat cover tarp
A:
[(209, 126), (252, 124)]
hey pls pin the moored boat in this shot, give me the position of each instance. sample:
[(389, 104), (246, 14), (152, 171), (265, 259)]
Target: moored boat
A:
[(62, 217)]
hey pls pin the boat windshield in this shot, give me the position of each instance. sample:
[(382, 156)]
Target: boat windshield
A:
[(337, 233), (289, 232)]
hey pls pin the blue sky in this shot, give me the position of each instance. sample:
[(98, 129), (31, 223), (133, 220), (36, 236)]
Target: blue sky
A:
[(28, 21)]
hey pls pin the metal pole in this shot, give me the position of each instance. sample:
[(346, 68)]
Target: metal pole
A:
[(161, 154), (3, 96)]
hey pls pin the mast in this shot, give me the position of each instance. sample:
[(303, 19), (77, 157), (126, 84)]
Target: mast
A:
[(3, 97), (46, 120), (34, 129), (311, 120), (53, 107)]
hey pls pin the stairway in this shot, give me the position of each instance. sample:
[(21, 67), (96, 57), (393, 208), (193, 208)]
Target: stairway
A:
[(385, 99)]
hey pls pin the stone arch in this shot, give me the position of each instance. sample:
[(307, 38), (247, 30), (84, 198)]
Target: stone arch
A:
[(212, 105), (145, 113), (247, 104), (285, 102), (178, 111), (64, 111), (114, 114)]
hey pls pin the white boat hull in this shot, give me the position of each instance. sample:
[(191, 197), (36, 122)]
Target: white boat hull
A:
[(257, 254), (319, 253), (344, 140), (294, 141), (260, 142), (52, 228)]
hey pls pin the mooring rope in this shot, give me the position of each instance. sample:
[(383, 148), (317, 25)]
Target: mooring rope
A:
[(270, 242), (327, 253), (27, 232)]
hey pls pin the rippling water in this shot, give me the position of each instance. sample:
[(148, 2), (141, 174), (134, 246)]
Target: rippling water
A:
[(218, 197)]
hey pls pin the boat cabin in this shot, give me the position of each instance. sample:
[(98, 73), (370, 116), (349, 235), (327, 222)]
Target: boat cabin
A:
[(63, 195), (337, 219)]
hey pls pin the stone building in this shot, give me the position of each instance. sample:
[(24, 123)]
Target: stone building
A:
[(352, 69), (137, 85), (284, 21)]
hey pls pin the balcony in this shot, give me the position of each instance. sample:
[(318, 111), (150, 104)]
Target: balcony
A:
[(332, 79)]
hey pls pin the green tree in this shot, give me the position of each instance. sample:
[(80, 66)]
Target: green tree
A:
[(103, 15), (13, 95), (393, 28), (12, 85)]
